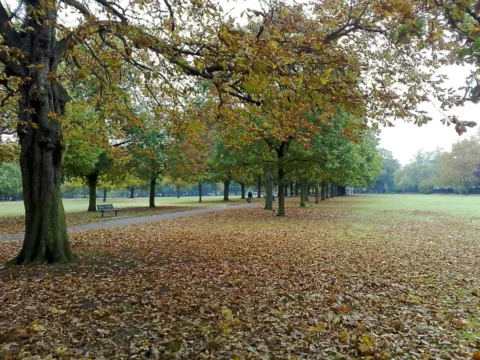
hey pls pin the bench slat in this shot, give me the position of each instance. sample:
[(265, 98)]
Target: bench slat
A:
[(105, 207)]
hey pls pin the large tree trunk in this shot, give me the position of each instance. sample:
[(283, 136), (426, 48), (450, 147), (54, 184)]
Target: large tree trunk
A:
[(316, 193), (226, 190), (291, 188), (199, 191), (153, 183), (104, 194), (269, 192), (41, 106), (178, 192), (323, 191), (132, 192), (92, 186), (296, 188), (243, 190), (259, 186)]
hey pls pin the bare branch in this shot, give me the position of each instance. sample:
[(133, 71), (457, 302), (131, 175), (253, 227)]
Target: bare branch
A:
[(170, 10), (113, 8), (79, 6)]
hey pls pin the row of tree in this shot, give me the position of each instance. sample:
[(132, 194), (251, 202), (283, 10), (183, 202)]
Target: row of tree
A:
[(144, 156)]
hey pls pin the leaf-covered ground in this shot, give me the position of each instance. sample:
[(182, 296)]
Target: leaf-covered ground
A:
[(338, 281), (10, 225)]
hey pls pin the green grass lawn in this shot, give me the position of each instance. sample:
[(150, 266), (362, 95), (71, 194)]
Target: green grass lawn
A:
[(460, 205), (13, 208)]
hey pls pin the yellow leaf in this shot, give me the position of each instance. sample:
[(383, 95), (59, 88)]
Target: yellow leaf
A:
[(365, 339), (343, 336), (227, 314), (318, 328), (61, 350), (36, 327)]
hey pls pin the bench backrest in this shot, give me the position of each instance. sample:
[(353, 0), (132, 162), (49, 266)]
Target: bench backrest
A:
[(105, 207)]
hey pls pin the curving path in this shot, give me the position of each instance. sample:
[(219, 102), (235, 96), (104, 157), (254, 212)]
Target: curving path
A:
[(140, 220)]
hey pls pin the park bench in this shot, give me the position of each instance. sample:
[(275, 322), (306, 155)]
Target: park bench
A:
[(106, 208)]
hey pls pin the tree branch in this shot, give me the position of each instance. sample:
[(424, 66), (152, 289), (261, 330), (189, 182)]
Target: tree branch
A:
[(170, 10), (79, 6)]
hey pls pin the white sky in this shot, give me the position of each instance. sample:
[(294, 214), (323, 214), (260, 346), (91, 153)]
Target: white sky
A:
[(405, 139)]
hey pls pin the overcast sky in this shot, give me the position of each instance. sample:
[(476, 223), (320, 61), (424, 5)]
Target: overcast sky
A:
[(405, 139)]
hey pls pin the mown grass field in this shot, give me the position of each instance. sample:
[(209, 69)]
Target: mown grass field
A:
[(360, 277), (14, 208)]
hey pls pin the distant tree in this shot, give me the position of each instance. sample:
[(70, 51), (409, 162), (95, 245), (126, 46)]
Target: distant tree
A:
[(9, 151), (386, 182), (477, 175), (458, 167), (10, 180), (424, 166), (148, 156)]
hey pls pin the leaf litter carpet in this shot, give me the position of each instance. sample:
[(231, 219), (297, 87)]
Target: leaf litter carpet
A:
[(329, 282)]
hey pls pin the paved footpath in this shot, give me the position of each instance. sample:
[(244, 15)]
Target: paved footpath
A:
[(140, 220)]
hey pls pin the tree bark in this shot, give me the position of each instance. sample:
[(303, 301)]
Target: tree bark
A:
[(296, 188), (291, 188), (316, 193), (178, 192), (303, 193), (153, 183), (104, 194), (92, 186), (269, 192), (243, 190), (41, 106), (132, 192), (281, 178), (323, 191), (259, 186), (281, 191), (307, 191), (199, 191), (226, 190)]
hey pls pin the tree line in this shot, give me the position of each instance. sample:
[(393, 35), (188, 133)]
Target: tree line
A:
[(456, 171)]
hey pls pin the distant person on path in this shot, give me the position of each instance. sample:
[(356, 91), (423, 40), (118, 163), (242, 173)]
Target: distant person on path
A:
[(249, 197)]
